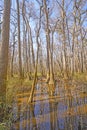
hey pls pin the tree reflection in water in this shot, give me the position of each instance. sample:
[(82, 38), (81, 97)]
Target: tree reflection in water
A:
[(63, 111)]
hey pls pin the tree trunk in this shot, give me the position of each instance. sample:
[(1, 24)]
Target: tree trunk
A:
[(12, 61), (19, 41), (49, 56), (47, 39), (4, 51), (35, 74)]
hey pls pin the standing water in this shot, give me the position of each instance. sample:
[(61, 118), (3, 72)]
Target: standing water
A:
[(65, 110)]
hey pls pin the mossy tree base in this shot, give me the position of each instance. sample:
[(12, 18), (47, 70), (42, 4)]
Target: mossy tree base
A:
[(51, 86), (51, 89)]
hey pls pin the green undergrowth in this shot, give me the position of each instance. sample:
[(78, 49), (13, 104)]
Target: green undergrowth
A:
[(38, 75), (3, 126), (77, 77), (16, 85), (81, 77)]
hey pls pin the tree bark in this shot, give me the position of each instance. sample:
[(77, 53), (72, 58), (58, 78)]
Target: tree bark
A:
[(4, 55), (49, 54), (19, 41)]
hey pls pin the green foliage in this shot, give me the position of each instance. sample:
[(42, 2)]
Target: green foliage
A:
[(27, 83), (80, 77), (13, 86), (6, 116), (7, 122), (3, 126)]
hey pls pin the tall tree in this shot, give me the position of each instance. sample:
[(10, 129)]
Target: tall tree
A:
[(49, 54), (4, 50), (19, 41), (36, 65), (47, 38)]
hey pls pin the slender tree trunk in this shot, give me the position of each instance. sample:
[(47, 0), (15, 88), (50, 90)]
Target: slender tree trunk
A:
[(47, 39), (49, 59), (82, 51), (52, 53), (64, 39), (19, 41), (29, 55), (31, 48), (41, 59), (30, 41), (35, 74), (12, 61)]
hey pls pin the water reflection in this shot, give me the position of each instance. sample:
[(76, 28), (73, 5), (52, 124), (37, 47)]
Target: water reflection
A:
[(64, 111)]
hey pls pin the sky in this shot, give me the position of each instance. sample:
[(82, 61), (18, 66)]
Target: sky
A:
[(55, 11)]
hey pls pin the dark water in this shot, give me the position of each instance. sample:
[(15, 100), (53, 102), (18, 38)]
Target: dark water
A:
[(66, 110)]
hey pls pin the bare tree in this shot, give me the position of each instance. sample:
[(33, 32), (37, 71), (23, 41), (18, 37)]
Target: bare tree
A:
[(19, 41), (49, 54), (36, 65)]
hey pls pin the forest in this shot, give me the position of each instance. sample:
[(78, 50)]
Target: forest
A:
[(43, 64)]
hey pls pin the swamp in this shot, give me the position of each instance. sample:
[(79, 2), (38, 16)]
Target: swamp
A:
[(43, 64)]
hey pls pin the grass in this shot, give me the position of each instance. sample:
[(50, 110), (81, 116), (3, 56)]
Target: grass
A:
[(38, 75), (82, 77), (14, 85)]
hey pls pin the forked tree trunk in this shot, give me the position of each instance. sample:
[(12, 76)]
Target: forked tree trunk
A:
[(35, 74)]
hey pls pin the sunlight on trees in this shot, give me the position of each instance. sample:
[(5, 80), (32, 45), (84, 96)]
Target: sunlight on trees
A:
[(43, 54)]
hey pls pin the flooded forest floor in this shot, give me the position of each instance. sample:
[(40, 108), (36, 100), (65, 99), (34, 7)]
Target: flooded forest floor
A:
[(65, 110)]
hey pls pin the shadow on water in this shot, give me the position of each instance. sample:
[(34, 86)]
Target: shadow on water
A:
[(66, 110)]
